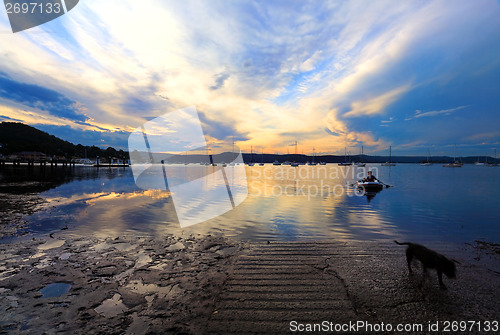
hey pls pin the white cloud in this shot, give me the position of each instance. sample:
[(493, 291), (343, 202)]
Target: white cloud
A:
[(419, 113), (376, 105)]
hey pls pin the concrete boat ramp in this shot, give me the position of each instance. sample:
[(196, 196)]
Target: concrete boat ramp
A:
[(289, 287)]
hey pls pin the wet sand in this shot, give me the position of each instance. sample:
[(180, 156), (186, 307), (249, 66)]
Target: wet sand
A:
[(118, 285)]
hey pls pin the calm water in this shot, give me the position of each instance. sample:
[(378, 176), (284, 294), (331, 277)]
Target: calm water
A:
[(426, 203)]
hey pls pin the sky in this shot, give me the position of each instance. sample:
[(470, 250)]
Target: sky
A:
[(420, 76)]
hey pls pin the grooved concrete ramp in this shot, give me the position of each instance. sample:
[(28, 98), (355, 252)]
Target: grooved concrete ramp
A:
[(273, 284), (277, 283)]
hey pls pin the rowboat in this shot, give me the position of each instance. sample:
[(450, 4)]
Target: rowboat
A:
[(370, 186)]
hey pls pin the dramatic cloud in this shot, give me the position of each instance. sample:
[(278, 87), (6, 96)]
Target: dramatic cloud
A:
[(325, 74), (41, 98)]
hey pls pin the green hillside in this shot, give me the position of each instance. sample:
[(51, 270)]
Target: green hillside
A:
[(18, 137)]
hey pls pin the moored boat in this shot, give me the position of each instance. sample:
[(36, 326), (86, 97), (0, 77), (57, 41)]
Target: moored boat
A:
[(389, 163)]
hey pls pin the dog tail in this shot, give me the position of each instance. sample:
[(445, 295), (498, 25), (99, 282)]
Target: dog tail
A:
[(405, 243)]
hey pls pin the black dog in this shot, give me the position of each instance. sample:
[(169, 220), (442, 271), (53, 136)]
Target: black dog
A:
[(430, 259)]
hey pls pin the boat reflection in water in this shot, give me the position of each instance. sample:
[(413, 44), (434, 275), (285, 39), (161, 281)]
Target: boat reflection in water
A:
[(369, 189)]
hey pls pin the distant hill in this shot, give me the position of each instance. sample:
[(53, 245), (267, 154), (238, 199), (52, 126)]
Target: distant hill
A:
[(269, 158), (18, 137)]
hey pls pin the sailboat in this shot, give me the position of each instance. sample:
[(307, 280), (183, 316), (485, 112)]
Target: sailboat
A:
[(389, 163), (345, 162), (360, 163), (428, 163), (495, 162), (455, 163), (232, 155), (262, 158), (294, 163), (251, 163), (314, 155)]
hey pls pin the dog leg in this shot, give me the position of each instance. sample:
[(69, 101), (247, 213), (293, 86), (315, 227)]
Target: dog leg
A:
[(424, 275), (409, 257), (441, 284)]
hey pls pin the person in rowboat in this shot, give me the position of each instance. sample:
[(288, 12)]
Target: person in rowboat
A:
[(370, 177)]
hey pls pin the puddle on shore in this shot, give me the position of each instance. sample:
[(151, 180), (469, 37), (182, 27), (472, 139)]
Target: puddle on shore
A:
[(51, 245), (112, 307), (55, 290)]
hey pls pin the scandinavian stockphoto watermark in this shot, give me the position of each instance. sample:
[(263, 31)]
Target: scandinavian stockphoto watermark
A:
[(170, 153), (308, 181), (25, 14)]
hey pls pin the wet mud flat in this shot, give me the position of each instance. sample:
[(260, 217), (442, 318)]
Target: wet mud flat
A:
[(122, 285), (13, 208)]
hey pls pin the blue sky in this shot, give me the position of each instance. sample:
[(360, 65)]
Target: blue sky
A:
[(419, 75)]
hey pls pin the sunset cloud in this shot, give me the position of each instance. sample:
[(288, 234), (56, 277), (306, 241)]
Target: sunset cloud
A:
[(325, 74)]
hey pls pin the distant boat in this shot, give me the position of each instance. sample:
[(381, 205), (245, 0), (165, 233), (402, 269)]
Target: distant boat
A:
[(322, 163), (360, 163), (389, 163), (276, 163), (84, 161), (345, 162), (455, 162), (232, 155), (492, 164), (262, 158), (314, 155), (480, 163), (428, 163), (295, 163), (251, 163)]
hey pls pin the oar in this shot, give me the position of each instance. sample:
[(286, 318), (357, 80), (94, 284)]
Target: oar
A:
[(352, 185), (386, 186)]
